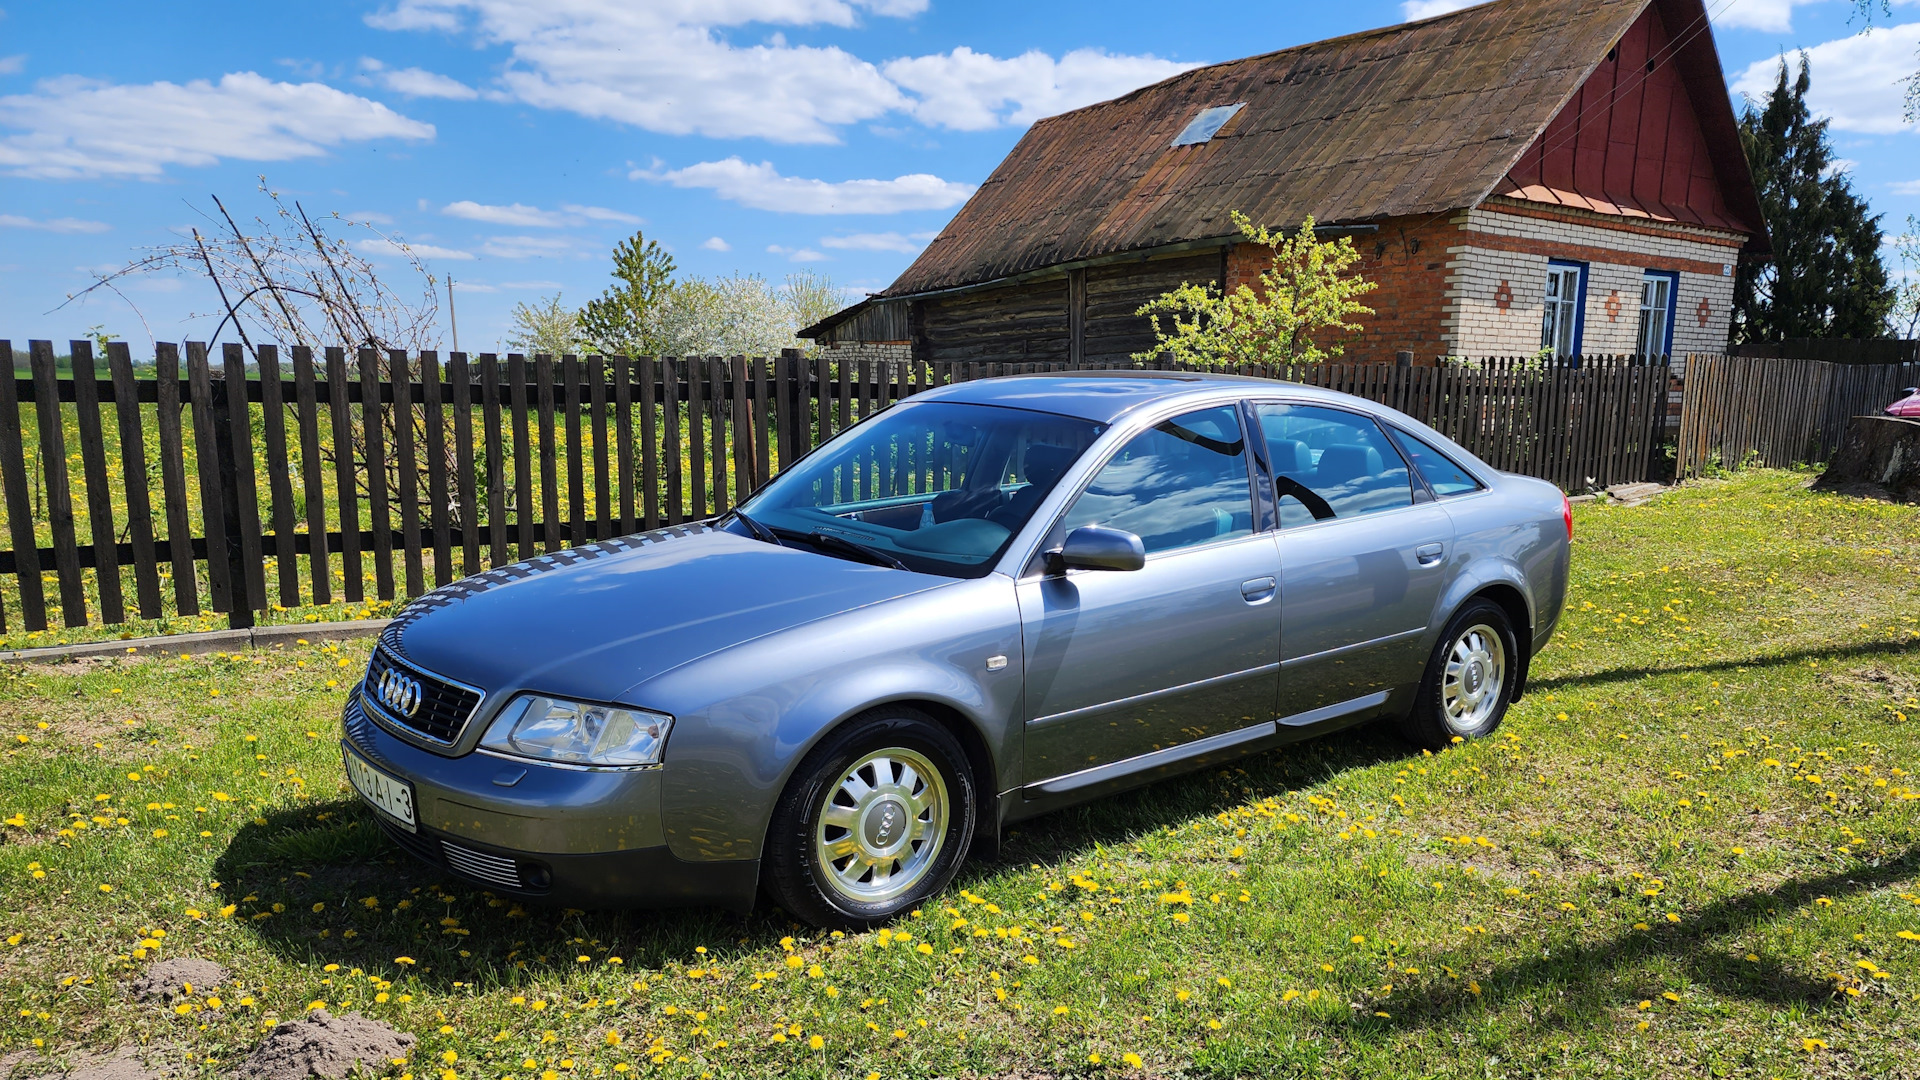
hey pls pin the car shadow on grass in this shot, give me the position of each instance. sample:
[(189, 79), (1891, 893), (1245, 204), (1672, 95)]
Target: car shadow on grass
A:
[(322, 884)]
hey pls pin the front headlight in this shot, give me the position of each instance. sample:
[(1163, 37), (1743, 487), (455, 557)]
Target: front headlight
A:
[(552, 729)]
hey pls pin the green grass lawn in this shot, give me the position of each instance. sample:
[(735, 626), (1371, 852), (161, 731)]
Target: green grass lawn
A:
[(1693, 850)]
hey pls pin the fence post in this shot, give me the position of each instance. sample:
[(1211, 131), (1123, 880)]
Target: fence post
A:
[(240, 602)]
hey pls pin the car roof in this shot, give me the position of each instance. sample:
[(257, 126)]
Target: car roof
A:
[(1106, 396)]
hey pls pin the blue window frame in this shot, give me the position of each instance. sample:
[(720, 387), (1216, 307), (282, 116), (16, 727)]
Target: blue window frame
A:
[(1659, 292), (1563, 312)]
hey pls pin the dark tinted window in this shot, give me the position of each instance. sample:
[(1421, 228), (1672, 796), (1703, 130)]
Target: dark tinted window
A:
[(1329, 463), (1183, 483), (1439, 471)]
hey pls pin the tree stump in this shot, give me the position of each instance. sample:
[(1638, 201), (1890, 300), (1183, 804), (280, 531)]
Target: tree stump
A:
[(1879, 458)]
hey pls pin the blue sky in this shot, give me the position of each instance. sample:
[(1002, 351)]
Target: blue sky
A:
[(514, 142)]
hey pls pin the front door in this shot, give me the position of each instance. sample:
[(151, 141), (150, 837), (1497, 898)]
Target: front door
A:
[(1364, 554), (1124, 663)]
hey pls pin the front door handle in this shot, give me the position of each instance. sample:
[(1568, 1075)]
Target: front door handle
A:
[(1258, 590), (1428, 554)]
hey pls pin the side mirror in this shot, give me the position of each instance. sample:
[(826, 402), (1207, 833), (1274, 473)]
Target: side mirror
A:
[(1096, 547)]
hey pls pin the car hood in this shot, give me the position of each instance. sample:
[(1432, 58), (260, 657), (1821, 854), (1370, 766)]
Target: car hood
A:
[(595, 621)]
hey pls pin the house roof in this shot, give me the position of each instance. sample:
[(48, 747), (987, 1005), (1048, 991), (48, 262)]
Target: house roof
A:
[(1421, 118)]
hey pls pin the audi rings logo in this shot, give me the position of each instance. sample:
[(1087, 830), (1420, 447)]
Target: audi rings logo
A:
[(398, 692)]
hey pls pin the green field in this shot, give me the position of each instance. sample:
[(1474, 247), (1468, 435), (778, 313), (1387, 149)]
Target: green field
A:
[(1694, 849)]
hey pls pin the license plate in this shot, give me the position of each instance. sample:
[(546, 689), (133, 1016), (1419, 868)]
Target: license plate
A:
[(390, 795)]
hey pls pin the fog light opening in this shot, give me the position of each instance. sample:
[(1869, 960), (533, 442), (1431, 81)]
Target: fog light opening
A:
[(538, 877)]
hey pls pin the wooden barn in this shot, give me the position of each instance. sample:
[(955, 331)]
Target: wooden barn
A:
[(1520, 175)]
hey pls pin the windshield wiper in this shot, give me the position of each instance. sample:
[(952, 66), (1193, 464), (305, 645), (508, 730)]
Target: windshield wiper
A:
[(760, 532), (854, 548)]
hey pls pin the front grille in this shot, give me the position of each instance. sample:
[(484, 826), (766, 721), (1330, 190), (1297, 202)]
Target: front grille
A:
[(444, 706), (492, 869)]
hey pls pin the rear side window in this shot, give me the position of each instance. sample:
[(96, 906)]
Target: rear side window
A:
[(1331, 464), (1438, 470)]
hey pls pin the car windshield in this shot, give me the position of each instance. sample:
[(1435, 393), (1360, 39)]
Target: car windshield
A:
[(939, 487)]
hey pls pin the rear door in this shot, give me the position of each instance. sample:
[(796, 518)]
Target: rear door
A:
[(1125, 663), (1364, 555)]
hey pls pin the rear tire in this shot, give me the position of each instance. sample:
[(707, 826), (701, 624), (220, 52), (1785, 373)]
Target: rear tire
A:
[(877, 818), (1470, 679)]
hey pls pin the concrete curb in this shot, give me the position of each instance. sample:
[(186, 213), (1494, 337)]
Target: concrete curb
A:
[(211, 641)]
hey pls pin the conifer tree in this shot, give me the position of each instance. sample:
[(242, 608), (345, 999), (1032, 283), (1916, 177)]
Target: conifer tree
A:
[(1825, 278)]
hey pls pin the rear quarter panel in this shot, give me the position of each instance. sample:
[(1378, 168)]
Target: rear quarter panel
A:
[(1511, 534)]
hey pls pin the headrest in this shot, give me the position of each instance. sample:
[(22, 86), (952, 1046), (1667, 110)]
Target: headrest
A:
[(1045, 463), (1290, 456), (1342, 462)]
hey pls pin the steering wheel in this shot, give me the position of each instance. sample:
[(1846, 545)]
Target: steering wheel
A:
[(955, 505)]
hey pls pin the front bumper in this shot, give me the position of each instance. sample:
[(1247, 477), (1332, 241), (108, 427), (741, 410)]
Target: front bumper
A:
[(579, 838)]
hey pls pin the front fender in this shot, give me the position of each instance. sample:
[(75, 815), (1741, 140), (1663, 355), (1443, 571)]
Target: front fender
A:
[(747, 716)]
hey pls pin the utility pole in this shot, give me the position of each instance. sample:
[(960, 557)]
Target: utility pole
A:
[(452, 316)]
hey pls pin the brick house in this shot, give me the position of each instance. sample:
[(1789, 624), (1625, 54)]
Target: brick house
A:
[(1517, 175)]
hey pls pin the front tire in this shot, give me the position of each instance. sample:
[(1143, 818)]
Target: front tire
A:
[(1470, 679), (877, 818)]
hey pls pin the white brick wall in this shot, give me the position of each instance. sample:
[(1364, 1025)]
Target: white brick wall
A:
[(1477, 325)]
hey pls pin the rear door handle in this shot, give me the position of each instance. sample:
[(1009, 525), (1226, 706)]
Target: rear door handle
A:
[(1428, 554), (1258, 590)]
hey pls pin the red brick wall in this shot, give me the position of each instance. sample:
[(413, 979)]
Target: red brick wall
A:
[(1407, 258)]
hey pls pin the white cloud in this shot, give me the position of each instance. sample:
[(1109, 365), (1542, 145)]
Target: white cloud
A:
[(75, 127), (1839, 165), (904, 243), (53, 225), (666, 67), (398, 250), (528, 247), (522, 216), (417, 82), (714, 243), (1411, 10), (601, 213), (1775, 16), (1857, 80), (13, 65), (797, 254), (515, 214), (763, 188), (970, 91), (669, 66), (1905, 187)]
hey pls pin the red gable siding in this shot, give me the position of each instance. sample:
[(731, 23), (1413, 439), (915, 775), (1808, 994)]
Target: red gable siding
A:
[(1629, 141)]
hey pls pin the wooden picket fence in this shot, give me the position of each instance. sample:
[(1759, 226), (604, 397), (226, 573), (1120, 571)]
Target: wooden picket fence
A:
[(1739, 410), (297, 477)]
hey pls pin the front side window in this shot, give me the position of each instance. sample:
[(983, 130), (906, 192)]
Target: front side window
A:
[(1180, 484), (1656, 313), (1560, 320), (1436, 468), (1331, 464), (939, 486)]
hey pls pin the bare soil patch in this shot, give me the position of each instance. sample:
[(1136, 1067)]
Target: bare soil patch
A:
[(173, 977), (321, 1044)]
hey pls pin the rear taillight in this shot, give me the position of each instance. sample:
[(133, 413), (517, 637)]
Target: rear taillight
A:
[(1566, 514)]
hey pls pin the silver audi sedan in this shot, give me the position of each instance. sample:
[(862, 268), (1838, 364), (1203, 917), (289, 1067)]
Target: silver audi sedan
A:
[(990, 601)]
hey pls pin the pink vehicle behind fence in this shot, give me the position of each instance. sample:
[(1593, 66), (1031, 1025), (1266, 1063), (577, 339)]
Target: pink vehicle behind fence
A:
[(1908, 406)]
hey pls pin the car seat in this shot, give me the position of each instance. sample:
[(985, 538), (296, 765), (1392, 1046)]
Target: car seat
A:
[(1346, 465), (1044, 465)]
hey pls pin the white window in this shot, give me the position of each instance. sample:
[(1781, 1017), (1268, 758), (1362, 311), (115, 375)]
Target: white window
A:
[(1656, 313), (1560, 322)]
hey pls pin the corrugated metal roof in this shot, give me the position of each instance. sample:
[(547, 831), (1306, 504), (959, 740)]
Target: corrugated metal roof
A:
[(1419, 118)]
